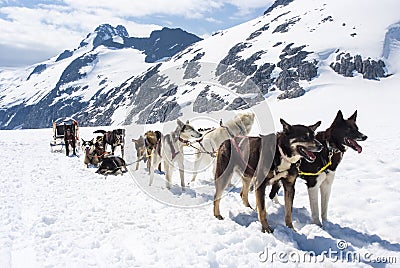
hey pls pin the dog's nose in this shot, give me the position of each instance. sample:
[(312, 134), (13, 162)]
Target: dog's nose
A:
[(364, 137), (318, 145)]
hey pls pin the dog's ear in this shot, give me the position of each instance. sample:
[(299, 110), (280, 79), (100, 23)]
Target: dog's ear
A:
[(180, 123), (286, 126), (314, 127), (339, 117), (187, 121), (353, 117)]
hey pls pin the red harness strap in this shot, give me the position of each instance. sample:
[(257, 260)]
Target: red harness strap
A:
[(173, 151), (237, 148)]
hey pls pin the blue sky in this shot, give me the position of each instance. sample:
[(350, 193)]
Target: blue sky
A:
[(35, 30)]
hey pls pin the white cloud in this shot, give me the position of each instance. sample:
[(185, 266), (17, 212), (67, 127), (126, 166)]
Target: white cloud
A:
[(186, 8), (213, 20), (55, 27), (245, 7), (52, 28)]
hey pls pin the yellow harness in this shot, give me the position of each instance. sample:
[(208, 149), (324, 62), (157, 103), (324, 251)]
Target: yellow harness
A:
[(319, 171)]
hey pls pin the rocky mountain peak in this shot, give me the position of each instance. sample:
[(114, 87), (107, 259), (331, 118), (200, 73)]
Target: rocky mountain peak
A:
[(106, 32)]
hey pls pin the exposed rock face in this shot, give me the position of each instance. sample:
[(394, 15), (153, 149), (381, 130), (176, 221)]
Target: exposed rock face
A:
[(233, 69), (64, 55), (73, 70), (348, 66), (106, 32), (232, 56), (208, 102), (38, 69), (192, 67), (293, 65), (163, 43), (295, 92), (258, 32), (276, 4), (160, 111), (238, 104), (262, 77), (284, 27), (294, 68)]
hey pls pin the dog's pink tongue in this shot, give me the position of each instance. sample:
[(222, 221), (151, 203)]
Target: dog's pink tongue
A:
[(310, 155), (355, 145)]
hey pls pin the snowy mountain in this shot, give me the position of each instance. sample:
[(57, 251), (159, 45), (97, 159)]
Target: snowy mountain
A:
[(280, 55), (72, 81)]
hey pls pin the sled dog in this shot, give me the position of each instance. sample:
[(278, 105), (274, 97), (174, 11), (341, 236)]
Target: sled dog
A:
[(169, 149), (319, 174), (267, 159), (94, 153), (114, 138), (144, 147), (240, 125), (112, 165)]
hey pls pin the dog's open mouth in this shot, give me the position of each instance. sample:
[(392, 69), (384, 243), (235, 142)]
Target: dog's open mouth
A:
[(308, 155), (353, 144)]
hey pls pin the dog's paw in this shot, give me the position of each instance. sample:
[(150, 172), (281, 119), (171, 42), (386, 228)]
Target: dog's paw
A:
[(318, 222), (290, 226), (219, 217), (267, 229), (159, 172)]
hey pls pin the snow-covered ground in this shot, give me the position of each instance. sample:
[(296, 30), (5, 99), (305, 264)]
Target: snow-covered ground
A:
[(54, 212)]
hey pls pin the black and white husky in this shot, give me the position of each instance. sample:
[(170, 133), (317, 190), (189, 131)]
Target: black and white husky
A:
[(169, 149), (319, 174)]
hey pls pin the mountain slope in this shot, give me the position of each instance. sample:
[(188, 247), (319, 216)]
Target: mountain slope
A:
[(70, 82), (279, 55), (282, 54)]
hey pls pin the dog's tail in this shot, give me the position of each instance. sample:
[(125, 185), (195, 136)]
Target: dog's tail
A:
[(100, 131)]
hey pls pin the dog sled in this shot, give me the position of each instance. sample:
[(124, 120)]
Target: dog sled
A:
[(65, 135)]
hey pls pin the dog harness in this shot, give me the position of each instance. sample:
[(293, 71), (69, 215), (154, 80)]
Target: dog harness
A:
[(236, 146), (203, 149), (173, 151), (301, 173)]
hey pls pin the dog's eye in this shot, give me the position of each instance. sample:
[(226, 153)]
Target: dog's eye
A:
[(305, 137)]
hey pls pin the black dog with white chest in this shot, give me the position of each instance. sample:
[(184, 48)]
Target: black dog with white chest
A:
[(112, 165)]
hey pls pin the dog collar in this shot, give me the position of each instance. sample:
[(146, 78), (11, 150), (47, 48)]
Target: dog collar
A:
[(183, 141), (332, 149)]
